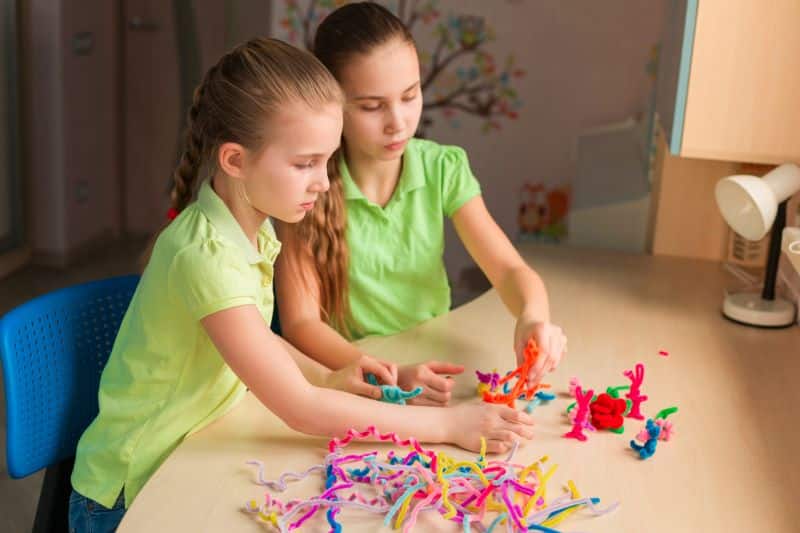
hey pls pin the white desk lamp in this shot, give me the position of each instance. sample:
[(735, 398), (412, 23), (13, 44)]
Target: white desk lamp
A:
[(750, 205)]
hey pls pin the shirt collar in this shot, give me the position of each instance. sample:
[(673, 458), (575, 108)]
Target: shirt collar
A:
[(412, 176), (222, 219)]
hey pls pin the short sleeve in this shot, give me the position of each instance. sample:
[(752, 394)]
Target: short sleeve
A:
[(210, 277), (459, 185)]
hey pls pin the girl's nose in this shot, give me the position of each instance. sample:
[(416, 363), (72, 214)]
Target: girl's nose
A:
[(394, 120), (321, 183)]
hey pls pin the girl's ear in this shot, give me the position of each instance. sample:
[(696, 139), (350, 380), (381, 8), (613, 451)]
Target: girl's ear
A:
[(230, 159)]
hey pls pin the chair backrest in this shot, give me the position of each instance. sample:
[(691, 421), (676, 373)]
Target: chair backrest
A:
[(53, 350)]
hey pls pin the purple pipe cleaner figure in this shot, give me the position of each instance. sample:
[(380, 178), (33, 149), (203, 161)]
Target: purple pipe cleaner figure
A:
[(492, 378)]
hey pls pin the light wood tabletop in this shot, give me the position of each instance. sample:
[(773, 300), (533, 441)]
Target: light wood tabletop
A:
[(733, 464)]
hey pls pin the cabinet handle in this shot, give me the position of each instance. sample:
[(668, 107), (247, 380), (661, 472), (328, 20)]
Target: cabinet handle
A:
[(139, 24)]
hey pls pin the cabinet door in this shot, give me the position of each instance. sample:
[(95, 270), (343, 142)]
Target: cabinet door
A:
[(743, 99), (673, 71), (737, 81)]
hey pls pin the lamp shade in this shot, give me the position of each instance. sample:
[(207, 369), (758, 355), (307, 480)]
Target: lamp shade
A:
[(748, 204)]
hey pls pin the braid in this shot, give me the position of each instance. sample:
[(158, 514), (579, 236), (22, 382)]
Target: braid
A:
[(185, 175), (188, 168)]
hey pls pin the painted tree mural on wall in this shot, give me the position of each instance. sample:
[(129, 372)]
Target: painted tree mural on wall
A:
[(459, 75)]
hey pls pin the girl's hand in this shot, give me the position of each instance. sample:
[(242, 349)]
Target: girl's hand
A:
[(549, 338), (353, 377), (500, 425), (431, 377)]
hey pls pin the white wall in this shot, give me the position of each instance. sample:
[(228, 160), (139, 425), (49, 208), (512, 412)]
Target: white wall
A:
[(585, 66)]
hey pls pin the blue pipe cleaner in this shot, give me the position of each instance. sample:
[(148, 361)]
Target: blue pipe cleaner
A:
[(649, 448), (336, 527), (393, 393), (540, 398)]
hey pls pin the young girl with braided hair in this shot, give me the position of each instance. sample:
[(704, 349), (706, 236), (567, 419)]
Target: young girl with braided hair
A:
[(264, 122)]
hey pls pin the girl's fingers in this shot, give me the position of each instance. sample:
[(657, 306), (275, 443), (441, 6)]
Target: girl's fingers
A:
[(503, 435), (519, 430), (438, 397), (393, 371), (547, 365), (383, 374), (519, 417), (365, 389), (546, 357), (438, 383), (535, 375), (558, 353), (496, 446), (546, 349), (445, 368), (518, 350), (560, 346)]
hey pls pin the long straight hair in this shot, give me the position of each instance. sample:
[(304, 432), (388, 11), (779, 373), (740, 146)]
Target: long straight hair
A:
[(352, 30)]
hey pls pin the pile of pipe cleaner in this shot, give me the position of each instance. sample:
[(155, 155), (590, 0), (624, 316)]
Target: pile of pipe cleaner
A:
[(406, 480)]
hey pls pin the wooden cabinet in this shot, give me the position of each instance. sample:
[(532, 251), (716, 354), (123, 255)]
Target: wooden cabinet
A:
[(729, 80), (14, 251)]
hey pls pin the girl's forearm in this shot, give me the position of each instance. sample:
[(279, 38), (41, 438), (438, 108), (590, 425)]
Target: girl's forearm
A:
[(283, 379), (314, 372), (321, 342), (335, 412), (523, 292)]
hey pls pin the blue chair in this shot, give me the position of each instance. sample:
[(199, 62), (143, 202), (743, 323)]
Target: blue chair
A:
[(53, 350)]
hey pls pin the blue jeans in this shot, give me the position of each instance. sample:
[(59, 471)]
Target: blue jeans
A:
[(88, 516)]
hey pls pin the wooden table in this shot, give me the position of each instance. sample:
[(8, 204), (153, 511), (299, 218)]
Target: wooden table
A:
[(733, 465)]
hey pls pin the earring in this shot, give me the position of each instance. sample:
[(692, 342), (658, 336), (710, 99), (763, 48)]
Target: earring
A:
[(243, 193)]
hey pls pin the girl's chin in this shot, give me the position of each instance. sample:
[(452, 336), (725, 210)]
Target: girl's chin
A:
[(390, 155)]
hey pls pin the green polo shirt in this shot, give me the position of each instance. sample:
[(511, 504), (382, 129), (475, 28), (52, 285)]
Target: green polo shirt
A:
[(397, 276), (164, 378)]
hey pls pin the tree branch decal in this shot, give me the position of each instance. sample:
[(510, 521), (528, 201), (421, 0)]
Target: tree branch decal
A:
[(459, 77)]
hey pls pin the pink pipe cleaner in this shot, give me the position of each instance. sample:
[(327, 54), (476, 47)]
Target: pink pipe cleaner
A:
[(371, 431), (634, 394), (667, 429), (574, 383), (582, 416)]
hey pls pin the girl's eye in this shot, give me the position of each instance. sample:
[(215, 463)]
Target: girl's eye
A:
[(370, 107), (304, 166), (409, 97)]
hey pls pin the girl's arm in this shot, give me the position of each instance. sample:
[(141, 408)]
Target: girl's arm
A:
[(274, 375), (520, 287), (297, 291)]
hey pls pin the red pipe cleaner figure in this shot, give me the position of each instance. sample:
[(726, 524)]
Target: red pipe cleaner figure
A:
[(607, 412), (582, 416), (634, 394)]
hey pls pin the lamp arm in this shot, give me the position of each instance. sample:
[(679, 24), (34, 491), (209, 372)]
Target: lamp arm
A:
[(774, 252)]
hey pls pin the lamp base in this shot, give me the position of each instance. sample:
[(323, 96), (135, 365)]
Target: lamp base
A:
[(752, 310)]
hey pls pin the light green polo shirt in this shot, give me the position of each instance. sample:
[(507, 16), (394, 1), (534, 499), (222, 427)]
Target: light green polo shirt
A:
[(397, 276), (164, 378)]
